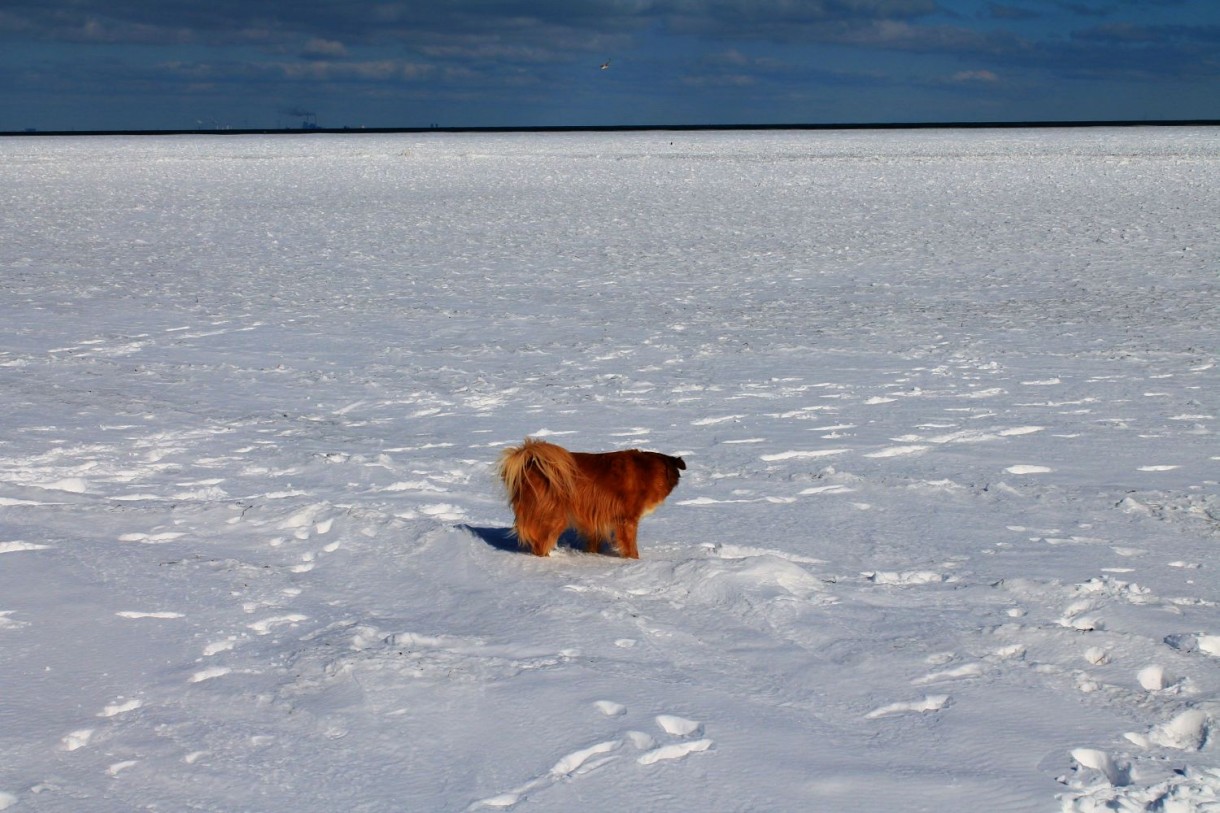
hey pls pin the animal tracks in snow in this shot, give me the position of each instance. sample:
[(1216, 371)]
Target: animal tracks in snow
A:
[(810, 454), (932, 702), (18, 547), (84, 737), (120, 707), (75, 740), (136, 615), (950, 414), (673, 751), (1195, 642), (678, 726), (908, 578), (963, 672), (210, 673), (1022, 468), (1095, 618), (684, 735)]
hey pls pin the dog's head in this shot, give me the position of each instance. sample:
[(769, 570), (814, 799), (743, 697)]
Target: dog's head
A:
[(673, 465)]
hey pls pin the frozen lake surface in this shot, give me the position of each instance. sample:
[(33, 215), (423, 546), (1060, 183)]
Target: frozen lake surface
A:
[(949, 402)]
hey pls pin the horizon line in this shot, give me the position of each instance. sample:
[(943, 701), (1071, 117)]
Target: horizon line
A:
[(625, 128)]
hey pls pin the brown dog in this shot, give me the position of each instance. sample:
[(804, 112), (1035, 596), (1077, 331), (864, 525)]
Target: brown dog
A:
[(601, 495)]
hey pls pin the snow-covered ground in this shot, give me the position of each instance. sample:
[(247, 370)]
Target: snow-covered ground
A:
[(949, 401)]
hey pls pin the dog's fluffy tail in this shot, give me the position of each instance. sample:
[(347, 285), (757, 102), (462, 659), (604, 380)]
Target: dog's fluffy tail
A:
[(538, 471)]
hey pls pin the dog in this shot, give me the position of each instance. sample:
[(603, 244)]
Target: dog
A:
[(601, 495)]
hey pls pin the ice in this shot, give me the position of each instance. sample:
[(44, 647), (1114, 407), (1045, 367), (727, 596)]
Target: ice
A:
[(947, 399)]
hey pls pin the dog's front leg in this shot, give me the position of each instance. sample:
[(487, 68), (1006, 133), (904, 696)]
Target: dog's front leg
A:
[(624, 538)]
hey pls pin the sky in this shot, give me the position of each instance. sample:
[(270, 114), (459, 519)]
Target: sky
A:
[(191, 64)]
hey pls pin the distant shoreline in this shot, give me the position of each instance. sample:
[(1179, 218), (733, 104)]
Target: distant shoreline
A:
[(615, 128)]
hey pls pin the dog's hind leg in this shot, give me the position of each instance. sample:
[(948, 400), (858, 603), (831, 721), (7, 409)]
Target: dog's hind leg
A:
[(549, 538), (624, 538), (540, 535)]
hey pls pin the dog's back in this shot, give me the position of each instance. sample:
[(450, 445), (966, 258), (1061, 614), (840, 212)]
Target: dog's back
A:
[(636, 481), (602, 495)]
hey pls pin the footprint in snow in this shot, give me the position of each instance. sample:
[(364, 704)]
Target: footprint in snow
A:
[(586, 760), (1117, 773), (610, 708), (120, 707), (898, 451), (160, 615), (1188, 731), (209, 674), (582, 761), (299, 523), (1156, 678), (76, 740), (572, 765), (907, 578), (964, 672), (677, 727), (151, 539), (700, 501), (802, 455), (119, 767), (265, 626), (1085, 622), (1027, 469), (674, 751), (17, 547), (216, 647), (932, 702), (1195, 642), (443, 512)]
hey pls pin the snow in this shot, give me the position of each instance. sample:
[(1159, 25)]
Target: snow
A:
[(948, 401)]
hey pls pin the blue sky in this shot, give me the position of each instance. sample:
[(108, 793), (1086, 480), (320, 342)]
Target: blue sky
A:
[(169, 64)]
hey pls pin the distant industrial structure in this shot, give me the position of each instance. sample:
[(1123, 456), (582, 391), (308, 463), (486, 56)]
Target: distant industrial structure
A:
[(309, 119)]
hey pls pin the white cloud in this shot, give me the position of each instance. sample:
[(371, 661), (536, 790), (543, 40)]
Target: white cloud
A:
[(982, 76), (318, 48)]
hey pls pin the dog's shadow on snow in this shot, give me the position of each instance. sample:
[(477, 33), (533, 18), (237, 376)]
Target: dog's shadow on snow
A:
[(504, 540), (498, 538)]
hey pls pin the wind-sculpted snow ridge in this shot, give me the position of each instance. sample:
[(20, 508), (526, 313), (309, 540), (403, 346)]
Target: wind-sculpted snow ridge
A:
[(945, 539)]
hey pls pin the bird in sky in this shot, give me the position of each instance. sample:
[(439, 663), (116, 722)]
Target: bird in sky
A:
[(606, 65)]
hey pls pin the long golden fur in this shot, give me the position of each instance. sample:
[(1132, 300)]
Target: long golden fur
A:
[(601, 495)]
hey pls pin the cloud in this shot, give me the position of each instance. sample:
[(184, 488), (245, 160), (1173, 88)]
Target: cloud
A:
[(1119, 34), (974, 77), (354, 22), (721, 80), (135, 22), (528, 33), (318, 48), (313, 71), (556, 24), (485, 51), (382, 70), (998, 11), (699, 50), (785, 21)]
